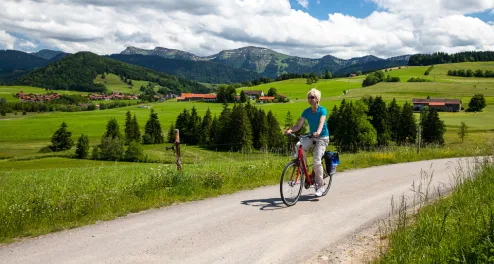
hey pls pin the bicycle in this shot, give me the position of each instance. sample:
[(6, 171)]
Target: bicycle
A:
[(294, 175)]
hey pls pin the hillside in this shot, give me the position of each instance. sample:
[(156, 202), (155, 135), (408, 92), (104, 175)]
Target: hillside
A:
[(272, 64), (201, 71), (78, 71), (15, 63)]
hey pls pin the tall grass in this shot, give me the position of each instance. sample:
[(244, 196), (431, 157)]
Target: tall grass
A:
[(455, 229)]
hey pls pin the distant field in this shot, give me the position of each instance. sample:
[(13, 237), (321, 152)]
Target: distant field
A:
[(114, 84), (7, 92)]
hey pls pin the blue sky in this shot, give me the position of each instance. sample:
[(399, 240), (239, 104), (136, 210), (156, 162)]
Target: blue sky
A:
[(356, 8), (294, 27)]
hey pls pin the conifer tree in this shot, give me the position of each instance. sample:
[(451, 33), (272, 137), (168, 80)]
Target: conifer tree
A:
[(394, 111), (241, 138), (136, 134), (194, 127), (153, 128), (129, 128), (433, 128), (224, 130), (333, 121), (61, 139), (170, 138), (288, 120), (275, 136), (82, 147), (380, 120), (182, 124), (207, 123), (112, 129), (407, 127), (243, 97)]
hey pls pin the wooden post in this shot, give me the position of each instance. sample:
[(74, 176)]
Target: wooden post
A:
[(177, 150), (418, 141)]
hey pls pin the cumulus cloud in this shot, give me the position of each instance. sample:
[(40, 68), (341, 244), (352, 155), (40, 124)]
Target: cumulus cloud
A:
[(205, 27), (6, 40)]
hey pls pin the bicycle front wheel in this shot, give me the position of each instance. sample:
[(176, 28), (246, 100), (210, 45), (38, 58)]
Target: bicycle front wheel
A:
[(291, 184)]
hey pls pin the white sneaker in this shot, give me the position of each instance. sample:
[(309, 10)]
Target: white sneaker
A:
[(320, 191)]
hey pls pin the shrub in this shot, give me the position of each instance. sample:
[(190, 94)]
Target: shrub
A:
[(134, 152)]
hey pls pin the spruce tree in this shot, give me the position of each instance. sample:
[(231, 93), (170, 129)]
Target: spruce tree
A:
[(82, 147), (394, 111), (207, 123), (170, 138), (129, 128), (275, 136), (136, 134), (153, 128), (241, 137), (112, 129), (243, 97), (61, 139), (433, 128), (224, 130), (182, 124), (407, 126), (380, 120), (194, 127), (332, 121), (288, 120)]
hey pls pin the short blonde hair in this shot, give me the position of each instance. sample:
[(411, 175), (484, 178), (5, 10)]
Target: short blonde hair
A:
[(316, 93)]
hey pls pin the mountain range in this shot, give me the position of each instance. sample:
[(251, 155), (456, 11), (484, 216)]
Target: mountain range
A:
[(228, 66), (271, 64)]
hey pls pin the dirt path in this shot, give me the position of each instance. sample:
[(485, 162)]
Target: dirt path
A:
[(245, 227)]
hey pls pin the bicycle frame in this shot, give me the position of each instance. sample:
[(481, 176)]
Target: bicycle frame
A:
[(301, 163)]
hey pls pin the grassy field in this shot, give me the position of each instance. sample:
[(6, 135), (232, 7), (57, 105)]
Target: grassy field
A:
[(114, 84)]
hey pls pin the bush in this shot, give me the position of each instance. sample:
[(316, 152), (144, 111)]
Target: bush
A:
[(46, 149), (477, 103), (147, 139), (213, 180), (96, 153), (82, 148), (111, 148), (134, 152)]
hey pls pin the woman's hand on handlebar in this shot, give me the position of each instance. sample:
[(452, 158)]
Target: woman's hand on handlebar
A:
[(288, 131)]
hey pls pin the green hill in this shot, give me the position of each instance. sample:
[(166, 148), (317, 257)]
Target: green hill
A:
[(77, 72)]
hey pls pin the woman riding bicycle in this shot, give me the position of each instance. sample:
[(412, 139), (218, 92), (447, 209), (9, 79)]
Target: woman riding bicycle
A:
[(316, 117)]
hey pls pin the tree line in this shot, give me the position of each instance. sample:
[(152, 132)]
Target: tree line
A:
[(471, 73), (369, 123), (241, 128), (442, 57), (114, 144), (57, 106), (377, 77)]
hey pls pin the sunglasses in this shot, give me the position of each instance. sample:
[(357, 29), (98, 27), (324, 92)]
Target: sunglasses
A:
[(311, 97)]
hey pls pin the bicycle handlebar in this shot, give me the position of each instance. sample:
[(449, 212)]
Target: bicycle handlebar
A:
[(301, 136)]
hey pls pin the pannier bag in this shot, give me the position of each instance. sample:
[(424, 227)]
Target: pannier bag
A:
[(332, 160)]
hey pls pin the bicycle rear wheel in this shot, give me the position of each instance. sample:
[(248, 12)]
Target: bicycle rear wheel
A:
[(290, 185), (327, 180)]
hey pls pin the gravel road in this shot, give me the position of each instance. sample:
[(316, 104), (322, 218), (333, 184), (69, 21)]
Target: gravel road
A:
[(246, 227)]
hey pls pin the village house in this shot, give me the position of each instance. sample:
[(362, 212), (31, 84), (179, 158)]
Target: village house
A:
[(266, 98), (36, 97), (253, 94), (446, 105), (196, 97)]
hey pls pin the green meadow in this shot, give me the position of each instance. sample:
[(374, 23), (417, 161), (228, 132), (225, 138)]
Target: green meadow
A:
[(58, 175)]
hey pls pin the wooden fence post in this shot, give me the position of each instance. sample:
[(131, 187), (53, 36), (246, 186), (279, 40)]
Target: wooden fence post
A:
[(418, 140), (177, 150)]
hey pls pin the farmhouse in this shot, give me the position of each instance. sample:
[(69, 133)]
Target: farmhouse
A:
[(446, 105), (253, 94), (266, 98)]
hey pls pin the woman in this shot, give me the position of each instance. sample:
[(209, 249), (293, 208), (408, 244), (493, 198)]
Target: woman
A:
[(316, 117)]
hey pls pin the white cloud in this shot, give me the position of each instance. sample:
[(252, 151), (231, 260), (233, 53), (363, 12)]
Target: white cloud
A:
[(304, 3), (27, 44), (6, 40), (205, 27)]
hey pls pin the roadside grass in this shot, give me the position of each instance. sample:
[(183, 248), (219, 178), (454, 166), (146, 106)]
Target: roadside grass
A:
[(458, 228)]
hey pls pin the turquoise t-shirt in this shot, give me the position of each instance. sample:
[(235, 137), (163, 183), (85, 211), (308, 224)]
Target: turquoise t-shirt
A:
[(314, 118)]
